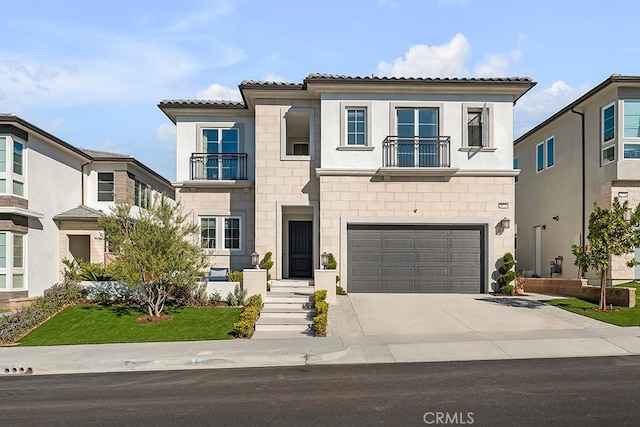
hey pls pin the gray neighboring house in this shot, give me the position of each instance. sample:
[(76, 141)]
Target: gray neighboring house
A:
[(587, 152), (51, 195)]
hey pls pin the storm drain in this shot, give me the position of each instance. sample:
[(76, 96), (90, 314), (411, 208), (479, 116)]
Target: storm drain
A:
[(17, 370)]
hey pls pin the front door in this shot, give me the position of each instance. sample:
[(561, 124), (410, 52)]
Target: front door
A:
[(300, 249)]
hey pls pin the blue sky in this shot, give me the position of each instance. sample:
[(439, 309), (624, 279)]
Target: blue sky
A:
[(92, 73)]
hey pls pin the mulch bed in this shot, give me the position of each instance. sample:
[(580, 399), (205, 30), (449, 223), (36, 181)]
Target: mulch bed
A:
[(498, 294), (163, 317)]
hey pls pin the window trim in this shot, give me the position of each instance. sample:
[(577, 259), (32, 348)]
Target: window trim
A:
[(604, 141), (98, 192), (487, 127), (546, 152), (9, 271), (368, 143), (200, 144), (283, 133), (220, 243), (538, 168)]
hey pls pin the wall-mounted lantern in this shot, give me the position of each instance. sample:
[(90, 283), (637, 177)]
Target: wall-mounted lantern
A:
[(505, 223), (255, 259), (324, 260)]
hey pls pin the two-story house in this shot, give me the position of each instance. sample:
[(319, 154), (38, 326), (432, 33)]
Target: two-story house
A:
[(51, 195), (587, 152), (407, 181)]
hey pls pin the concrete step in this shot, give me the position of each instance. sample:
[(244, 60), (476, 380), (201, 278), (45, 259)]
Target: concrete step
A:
[(266, 335), (287, 305), (282, 324), (287, 297), (306, 289), (289, 312)]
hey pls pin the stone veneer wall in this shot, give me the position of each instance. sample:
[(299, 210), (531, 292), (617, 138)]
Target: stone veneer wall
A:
[(124, 187), (223, 201), (284, 181), (620, 272), (89, 228), (472, 197)]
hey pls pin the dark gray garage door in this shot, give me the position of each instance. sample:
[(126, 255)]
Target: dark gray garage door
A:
[(415, 258)]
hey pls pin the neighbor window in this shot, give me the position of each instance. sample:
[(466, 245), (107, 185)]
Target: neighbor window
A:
[(540, 157), (221, 232), (106, 186), (12, 166), (356, 126), (142, 194), (608, 155), (12, 260), (631, 119), (551, 152), (18, 169), (516, 165), (608, 123)]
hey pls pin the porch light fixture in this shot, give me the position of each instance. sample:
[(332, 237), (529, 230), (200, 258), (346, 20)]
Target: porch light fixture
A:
[(255, 259), (505, 223), (324, 260)]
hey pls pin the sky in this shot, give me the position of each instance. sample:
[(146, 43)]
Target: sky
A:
[(93, 72)]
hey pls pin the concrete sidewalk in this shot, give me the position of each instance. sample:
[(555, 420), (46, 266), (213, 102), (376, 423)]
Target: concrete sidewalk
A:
[(578, 337)]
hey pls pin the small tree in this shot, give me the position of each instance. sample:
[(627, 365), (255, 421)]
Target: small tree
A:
[(507, 275), (158, 252), (266, 264), (609, 234)]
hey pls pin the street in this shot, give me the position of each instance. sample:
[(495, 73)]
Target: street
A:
[(579, 391)]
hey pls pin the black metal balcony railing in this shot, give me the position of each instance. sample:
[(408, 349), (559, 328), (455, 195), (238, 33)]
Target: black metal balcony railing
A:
[(416, 152), (218, 166)]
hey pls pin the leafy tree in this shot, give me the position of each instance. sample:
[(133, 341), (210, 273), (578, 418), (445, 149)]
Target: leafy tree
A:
[(609, 234), (158, 253)]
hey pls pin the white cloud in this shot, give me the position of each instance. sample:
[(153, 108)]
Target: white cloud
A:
[(496, 64), (220, 93), (446, 60), (166, 133), (536, 106), (274, 78)]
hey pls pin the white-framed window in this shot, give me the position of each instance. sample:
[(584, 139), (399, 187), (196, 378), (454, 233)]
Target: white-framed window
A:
[(550, 147), (356, 126), (106, 186), (222, 232), (297, 134), (608, 154), (12, 261), (631, 119), (141, 194), (608, 125), (12, 166), (540, 157), (477, 128), (516, 165)]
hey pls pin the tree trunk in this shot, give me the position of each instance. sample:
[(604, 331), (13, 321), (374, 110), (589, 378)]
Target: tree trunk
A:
[(603, 291)]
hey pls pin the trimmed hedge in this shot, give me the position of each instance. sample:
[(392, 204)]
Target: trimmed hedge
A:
[(321, 319), (245, 326), (57, 297)]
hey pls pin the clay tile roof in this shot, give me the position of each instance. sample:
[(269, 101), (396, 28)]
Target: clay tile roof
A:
[(201, 102), (79, 213)]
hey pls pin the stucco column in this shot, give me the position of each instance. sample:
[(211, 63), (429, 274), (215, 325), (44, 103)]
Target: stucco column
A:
[(254, 281), (326, 279)]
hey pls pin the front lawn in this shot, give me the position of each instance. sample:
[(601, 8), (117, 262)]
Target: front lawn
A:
[(625, 316), (94, 324)]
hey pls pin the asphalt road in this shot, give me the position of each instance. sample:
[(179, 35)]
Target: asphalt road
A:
[(590, 391)]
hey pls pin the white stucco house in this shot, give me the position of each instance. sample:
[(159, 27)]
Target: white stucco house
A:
[(51, 194), (409, 182)]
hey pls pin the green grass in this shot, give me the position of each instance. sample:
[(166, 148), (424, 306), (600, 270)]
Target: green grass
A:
[(91, 324), (626, 316)]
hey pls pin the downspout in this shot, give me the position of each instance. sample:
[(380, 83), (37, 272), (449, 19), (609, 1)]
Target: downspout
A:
[(82, 182), (584, 208)]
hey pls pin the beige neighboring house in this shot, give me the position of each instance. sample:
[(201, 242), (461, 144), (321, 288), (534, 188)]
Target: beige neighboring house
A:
[(587, 152), (51, 195), (409, 182)]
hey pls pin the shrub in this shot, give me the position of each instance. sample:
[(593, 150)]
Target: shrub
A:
[(321, 318), (340, 290), (507, 275), (507, 290), (82, 270), (237, 297), (245, 325), (234, 276), (332, 264), (16, 325), (108, 293), (266, 264), (215, 296)]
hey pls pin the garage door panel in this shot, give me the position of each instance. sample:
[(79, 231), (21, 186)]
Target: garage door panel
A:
[(414, 258)]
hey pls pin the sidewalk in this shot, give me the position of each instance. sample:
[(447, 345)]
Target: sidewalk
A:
[(348, 345)]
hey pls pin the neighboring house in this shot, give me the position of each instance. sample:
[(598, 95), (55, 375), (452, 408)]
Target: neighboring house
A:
[(407, 181), (51, 196), (587, 152)]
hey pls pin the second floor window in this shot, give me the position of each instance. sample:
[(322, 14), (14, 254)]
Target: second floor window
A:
[(105, 186), (475, 124), (608, 123), (142, 194), (220, 144), (631, 118), (356, 126)]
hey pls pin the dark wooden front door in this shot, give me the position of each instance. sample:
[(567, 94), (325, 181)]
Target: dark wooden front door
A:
[(300, 249)]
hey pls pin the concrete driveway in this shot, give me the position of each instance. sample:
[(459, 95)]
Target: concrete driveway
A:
[(418, 314)]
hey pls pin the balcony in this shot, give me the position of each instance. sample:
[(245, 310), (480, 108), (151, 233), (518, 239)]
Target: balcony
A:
[(416, 152), (218, 166)]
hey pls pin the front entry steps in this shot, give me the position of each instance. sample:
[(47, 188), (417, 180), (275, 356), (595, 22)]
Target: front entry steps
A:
[(287, 311)]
